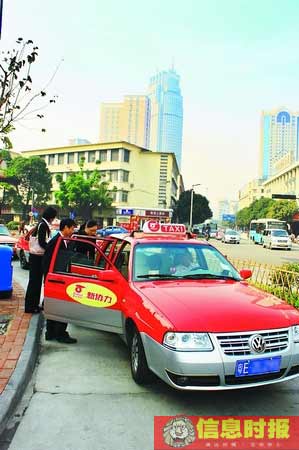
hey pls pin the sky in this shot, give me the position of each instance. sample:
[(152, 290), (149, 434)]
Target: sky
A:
[(235, 59)]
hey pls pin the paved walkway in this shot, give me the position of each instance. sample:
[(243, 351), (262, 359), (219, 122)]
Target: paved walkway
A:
[(14, 328), (19, 339)]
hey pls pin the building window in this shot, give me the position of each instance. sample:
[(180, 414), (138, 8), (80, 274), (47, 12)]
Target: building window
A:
[(113, 195), (124, 196), (80, 156), (124, 176), (113, 175), (61, 158), (51, 160), (103, 155), (126, 155), (91, 156), (71, 158), (114, 154)]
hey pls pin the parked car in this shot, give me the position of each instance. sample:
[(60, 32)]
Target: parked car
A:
[(7, 239), (22, 244), (22, 248), (231, 237), (199, 328), (276, 239), (106, 231)]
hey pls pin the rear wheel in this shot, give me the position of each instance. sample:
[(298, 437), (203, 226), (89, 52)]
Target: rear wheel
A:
[(140, 371), (23, 261)]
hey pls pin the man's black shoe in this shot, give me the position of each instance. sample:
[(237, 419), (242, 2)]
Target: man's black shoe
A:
[(66, 339)]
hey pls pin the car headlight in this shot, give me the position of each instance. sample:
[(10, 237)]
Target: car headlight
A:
[(188, 342), (295, 333)]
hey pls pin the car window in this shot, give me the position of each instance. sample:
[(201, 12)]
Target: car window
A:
[(122, 260), (78, 263), (177, 259), (279, 233)]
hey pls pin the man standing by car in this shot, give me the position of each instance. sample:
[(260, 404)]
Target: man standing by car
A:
[(57, 330)]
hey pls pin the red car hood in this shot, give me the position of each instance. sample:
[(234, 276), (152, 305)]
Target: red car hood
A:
[(217, 306)]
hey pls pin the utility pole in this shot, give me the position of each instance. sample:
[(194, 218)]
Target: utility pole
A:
[(191, 204)]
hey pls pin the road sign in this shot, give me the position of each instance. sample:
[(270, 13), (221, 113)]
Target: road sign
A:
[(126, 212), (228, 217), (285, 196)]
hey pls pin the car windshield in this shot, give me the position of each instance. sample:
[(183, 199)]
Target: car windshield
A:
[(4, 231), (180, 261), (279, 233), (232, 232)]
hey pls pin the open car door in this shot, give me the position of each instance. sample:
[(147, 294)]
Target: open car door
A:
[(85, 290)]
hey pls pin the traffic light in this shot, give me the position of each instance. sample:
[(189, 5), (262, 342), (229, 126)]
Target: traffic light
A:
[(285, 196)]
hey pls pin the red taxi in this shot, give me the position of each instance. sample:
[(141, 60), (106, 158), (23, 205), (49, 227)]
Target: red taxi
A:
[(186, 314)]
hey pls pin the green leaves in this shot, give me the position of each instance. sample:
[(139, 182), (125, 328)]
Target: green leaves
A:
[(83, 191), (267, 207), (201, 209)]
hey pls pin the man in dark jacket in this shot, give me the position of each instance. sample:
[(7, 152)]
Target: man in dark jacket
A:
[(57, 330)]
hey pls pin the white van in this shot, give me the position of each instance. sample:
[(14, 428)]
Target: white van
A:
[(276, 239)]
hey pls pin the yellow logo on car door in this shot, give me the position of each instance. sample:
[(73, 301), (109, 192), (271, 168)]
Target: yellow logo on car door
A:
[(91, 295)]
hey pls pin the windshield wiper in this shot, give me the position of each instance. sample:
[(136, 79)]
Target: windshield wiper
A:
[(155, 275), (212, 276)]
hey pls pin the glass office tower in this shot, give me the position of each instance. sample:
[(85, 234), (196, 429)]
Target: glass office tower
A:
[(166, 104)]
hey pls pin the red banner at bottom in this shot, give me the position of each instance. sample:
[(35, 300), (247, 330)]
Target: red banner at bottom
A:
[(226, 432)]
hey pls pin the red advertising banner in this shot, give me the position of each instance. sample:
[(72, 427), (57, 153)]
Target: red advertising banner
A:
[(226, 432)]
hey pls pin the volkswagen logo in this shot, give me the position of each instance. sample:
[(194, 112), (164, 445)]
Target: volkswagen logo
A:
[(257, 343)]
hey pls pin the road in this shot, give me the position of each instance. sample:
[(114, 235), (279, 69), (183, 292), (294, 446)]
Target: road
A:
[(83, 397), (247, 250)]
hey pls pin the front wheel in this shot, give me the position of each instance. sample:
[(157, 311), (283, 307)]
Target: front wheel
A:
[(140, 371)]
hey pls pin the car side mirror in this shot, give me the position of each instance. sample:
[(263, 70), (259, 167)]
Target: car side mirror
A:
[(245, 273), (106, 275)]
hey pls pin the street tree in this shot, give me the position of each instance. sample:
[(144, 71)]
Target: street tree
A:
[(83, 191), (18, 100), (201, 210), (34, 182), (283, 210), (260, 208), (243, 217)]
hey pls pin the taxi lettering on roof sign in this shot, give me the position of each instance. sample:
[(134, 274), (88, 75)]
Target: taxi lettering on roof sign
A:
[(168, 228), (186, 313)]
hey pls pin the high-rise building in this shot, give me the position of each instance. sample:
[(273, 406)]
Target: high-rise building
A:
[(126, 121), (279, 141), (166, 119)]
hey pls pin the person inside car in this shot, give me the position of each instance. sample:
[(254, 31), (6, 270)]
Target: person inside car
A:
[(183, 262)]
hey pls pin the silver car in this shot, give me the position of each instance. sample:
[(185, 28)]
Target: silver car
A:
[(231, 237), (276, 239)]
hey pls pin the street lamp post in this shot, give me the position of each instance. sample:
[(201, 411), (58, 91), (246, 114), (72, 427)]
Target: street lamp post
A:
[(191, 204)]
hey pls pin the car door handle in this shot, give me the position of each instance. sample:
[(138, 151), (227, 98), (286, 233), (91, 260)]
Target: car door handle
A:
[(56, 281)]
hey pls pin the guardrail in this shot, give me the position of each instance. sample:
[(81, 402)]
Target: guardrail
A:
[(273, 279)]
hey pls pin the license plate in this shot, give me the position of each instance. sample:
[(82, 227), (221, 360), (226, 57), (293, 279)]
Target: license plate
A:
[(247, 367)]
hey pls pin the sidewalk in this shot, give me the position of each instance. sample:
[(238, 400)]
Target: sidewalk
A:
[(19, 346)]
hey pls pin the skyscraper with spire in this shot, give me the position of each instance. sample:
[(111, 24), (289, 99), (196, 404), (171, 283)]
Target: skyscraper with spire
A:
[(166, 113)]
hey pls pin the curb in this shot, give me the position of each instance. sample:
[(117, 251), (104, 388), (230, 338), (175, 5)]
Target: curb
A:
[(22, 373)]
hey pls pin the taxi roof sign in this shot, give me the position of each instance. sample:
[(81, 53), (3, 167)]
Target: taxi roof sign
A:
[(153, 227)]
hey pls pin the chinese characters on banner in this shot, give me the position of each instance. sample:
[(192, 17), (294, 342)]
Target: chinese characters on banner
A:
[(226, 432)]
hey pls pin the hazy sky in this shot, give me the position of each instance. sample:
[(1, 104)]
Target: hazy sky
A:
[(235, 58)]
